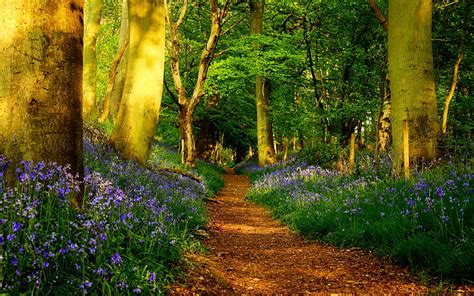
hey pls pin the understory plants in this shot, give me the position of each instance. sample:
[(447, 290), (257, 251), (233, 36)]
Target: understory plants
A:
[(426, 222), (133, 226)]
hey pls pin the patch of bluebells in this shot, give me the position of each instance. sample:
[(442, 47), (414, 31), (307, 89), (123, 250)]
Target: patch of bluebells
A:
[(437, 203), (132, 224)]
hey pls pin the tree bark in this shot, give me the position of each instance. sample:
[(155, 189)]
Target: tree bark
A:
[(188, 148), (118, 72), (412, 80), (383, 120), (41, 82), (92, 16), (266, 152), (139, 109)]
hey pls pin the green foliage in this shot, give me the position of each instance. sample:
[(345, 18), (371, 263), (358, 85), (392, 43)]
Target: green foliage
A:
[(325, 155), (211, 174)]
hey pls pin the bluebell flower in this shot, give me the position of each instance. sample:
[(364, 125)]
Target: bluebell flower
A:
[(116, 259), (152, 277)]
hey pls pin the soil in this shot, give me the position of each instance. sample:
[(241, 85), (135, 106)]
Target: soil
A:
[(251, 253)]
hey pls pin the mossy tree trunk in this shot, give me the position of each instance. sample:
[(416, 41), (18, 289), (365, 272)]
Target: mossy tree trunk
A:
[(41, 81), (92, 15), (412, 81), (266, 152), (139, 108)]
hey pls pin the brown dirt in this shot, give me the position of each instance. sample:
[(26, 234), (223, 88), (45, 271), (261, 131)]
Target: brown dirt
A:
[(250, 253)]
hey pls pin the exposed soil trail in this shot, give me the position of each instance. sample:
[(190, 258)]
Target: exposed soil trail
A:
[(250, 253)]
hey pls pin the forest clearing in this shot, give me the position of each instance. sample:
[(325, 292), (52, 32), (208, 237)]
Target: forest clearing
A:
[(170, 147)]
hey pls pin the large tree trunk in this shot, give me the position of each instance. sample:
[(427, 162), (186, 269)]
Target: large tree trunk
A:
[(266, 152), (118, 72), (139, 109), (412, 81), (41, 81), (92, 16)]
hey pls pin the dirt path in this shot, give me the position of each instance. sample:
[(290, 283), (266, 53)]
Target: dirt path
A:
[(250, 253)]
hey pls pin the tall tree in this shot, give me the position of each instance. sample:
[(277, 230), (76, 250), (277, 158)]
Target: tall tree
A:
[(412, 81), (118, 72), (139, 108), (41, 81), (266, 152), (92, 15), (187, 105)]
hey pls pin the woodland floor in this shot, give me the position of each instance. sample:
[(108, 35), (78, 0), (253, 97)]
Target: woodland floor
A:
[(251, 253)]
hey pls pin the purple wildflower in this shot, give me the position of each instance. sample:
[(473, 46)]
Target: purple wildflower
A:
[(116, 259), (440, 192), (16, 226), (152, 277)]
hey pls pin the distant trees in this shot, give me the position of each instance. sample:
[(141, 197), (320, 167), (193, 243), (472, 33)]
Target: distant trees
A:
[(412, 84), (41, 81), (139, 109)]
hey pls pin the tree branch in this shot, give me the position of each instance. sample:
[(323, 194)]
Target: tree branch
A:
[(234, 25), (182, 14), (378, 14), (172, 95)]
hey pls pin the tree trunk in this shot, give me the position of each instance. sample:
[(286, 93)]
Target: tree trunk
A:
[(186, 105), (383, 120), (207, 140), (188, 149), (412, 81), (450, 95), (118, 72), (92, 16), (139, 109), (41, 82), (266, 152)]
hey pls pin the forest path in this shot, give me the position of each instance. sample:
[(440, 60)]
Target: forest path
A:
[(251, 253)]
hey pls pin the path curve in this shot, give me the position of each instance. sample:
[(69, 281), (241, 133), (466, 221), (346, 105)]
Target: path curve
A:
[(250, 253)]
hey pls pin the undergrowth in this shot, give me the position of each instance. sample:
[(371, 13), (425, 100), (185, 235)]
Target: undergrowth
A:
[(132, 228), (426, 222)]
